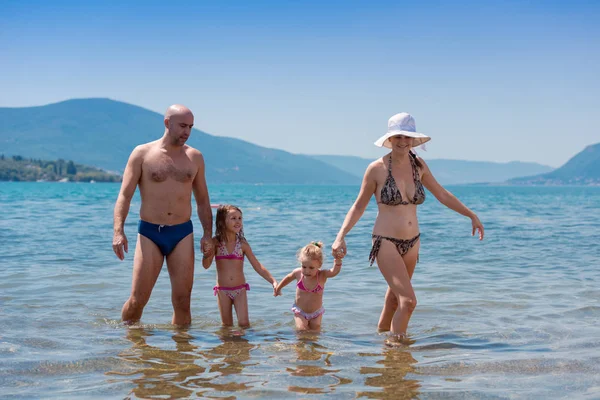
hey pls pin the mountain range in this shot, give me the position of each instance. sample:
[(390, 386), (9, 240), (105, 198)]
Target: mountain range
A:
[(449, 172), (103, 132), (582, 169)]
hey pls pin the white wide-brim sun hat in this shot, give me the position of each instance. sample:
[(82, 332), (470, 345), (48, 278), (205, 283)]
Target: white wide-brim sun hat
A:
[(402, 124)]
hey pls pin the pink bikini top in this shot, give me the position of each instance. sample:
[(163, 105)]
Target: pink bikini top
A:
[(236, 254), (316, 289)]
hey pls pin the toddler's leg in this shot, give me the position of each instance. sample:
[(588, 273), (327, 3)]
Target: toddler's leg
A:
[(301, 323), (315, 323)]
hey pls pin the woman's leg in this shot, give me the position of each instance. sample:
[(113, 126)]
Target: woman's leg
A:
[(396, 274), (390, 303)]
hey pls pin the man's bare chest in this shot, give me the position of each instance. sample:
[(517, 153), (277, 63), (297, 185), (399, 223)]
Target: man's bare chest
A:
[(160, 168)]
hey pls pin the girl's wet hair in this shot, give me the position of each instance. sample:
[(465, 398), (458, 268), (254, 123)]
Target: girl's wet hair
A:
[(312, 251), (221, 217)]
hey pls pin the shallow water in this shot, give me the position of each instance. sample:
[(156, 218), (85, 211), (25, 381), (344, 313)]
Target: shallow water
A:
[(514, 316)]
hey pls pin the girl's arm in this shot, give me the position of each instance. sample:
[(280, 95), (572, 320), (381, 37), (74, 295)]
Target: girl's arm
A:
[(337, 267), (356, 211), (207, 259), (449, 200), (258, 267), (285, 281)]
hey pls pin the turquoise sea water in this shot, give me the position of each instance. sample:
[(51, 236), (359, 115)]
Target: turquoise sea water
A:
[(514, 316)]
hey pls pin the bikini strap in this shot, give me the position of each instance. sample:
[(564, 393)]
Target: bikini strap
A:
[(374, 249), (413, 163)]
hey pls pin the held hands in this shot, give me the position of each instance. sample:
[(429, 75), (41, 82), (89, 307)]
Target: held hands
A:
[(338, 248), (477, 226), (276, 289), (206, 246), (120, 244)]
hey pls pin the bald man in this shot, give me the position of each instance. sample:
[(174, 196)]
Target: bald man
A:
[(167, 171)]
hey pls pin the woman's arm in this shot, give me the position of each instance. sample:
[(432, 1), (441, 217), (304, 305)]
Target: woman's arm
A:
[(285, 281), (258, 267), (356, 211), (448, 199), (207, 258)]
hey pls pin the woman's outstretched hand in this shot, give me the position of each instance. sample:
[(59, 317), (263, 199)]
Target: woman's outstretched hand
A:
[(477, 226), (338, 248)]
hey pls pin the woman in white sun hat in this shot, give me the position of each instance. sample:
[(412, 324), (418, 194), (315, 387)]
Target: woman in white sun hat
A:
[(397, 181)]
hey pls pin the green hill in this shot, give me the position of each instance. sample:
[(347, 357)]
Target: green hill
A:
[(17, 168), (103, 132), (582, 169), (449, 172)]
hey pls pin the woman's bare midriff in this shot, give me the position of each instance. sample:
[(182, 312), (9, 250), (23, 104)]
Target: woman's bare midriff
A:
[(399, 221)]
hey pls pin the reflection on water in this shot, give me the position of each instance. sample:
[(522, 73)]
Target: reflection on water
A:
[(314, 360), (172, 374), (160, 372), (390, 377), (224, 364), (227, 361)]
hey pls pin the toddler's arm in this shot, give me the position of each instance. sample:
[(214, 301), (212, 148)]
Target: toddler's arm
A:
[(337, 267), (208, 259), (258, 267), (285, 281)]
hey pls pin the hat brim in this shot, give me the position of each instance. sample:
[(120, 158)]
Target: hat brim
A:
[(418, 138)]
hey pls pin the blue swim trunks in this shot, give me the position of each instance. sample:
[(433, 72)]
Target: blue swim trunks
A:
[(166, 237)]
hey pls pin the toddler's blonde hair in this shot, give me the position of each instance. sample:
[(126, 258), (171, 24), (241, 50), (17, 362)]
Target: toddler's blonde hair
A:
[(312, 251)]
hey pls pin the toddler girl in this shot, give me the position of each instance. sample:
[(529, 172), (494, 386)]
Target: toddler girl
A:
[(308, 308)]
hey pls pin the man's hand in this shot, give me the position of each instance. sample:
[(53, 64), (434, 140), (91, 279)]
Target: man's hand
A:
[(120, 244), (206, 246)]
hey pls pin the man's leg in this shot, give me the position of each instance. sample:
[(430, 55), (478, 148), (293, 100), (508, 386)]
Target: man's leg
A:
[(181, 270), (147, 263)]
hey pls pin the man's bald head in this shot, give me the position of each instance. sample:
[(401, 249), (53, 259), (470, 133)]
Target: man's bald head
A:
[(179, 121), (177, 110)]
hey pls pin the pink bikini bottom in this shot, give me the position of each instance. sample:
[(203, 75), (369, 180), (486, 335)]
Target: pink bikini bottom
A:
[(298, 312), (231, 292)]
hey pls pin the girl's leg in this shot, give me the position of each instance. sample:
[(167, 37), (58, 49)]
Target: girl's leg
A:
[(241, 309), (391, 301), (315, 324), (301, 323), (225, 304), (394, 271)]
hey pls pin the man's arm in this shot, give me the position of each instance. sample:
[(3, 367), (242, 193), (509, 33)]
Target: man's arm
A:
[(203, 201), (131, 177)]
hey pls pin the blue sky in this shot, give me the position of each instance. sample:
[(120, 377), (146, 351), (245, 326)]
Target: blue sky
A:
[(496, 81)]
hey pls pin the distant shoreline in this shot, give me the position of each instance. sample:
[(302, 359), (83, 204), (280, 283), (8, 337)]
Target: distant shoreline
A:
[(21, 169), (477, 184)]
